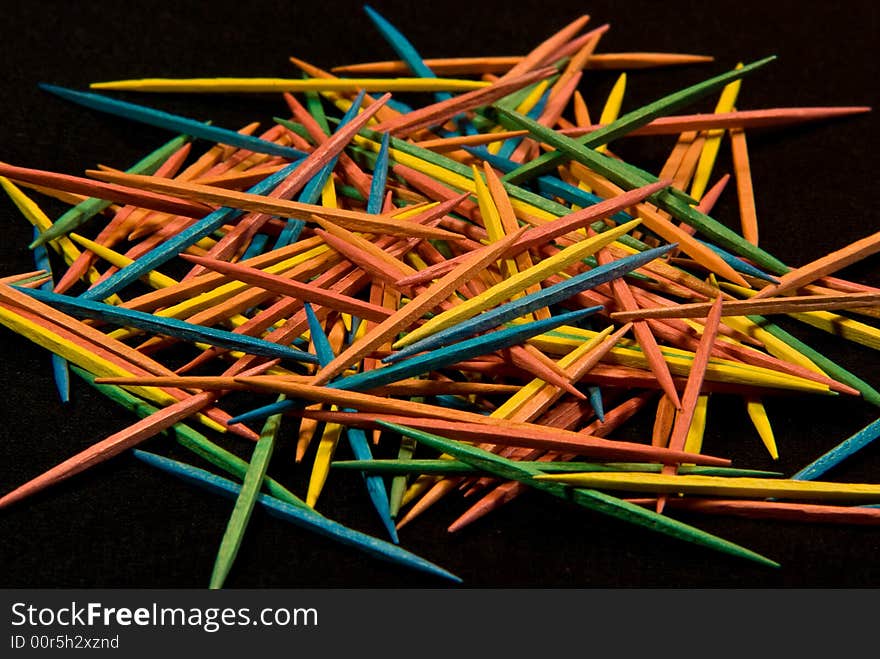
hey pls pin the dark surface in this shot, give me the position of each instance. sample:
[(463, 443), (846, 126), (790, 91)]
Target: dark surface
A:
[(124, 524)]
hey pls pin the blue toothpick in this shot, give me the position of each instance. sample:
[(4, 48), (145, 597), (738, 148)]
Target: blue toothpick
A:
[(594, 395), (410, 56), (60, 369), (302, 517), (531, 302), (176, 244), (311, 192), (172, 122), (738, 264), (404, 49), (380, 178), (258, 243), (452, 354), (169, 326), (839, 453), (357, 439), (480, 345)]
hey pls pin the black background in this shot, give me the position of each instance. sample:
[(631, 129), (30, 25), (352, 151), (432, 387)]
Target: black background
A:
[(124, 524)]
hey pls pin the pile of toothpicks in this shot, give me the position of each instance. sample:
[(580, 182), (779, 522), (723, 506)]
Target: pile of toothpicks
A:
[(479, 282)]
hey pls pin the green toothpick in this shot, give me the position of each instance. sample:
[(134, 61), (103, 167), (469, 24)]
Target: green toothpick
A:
[(246, 500), (635, 119), (407, 466), (630, 177), (592, 499), (88, 208)]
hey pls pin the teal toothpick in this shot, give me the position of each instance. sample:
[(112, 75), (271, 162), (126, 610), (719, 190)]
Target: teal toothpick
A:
[(380, 178), (410, 56), (290, 233), (169, 326), (179, 242), (404, 49), (738, 264), (262, 412), (437, 359), (839, 453), (594, 396), (256, 246), (521, 306), (357, 439), (480, 345), (60, 367), (323, 349), (160, 119), (302, 517)]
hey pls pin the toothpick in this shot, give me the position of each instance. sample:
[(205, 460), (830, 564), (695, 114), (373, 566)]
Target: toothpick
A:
[(611, 110), (839, 453), (455, 467), (224, 85), (539, 54), (353, 220), (245, 502), (356, 438), (438, 113), (825, 265), (515, 284), (520, 306), (60, 371), (172, 122), (755, 306), (639, 117), (588, 498), (669, 199), (302, 517), (709, 152), (173, 246), (105, 191), (111, 446), (152, 323), (294, 288), (713, 485), (508, 491), (759, 418), (479, 65)]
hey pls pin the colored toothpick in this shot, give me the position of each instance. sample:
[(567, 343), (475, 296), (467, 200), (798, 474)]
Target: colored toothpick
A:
[(300, 516), (588, 498), (170, 121)]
